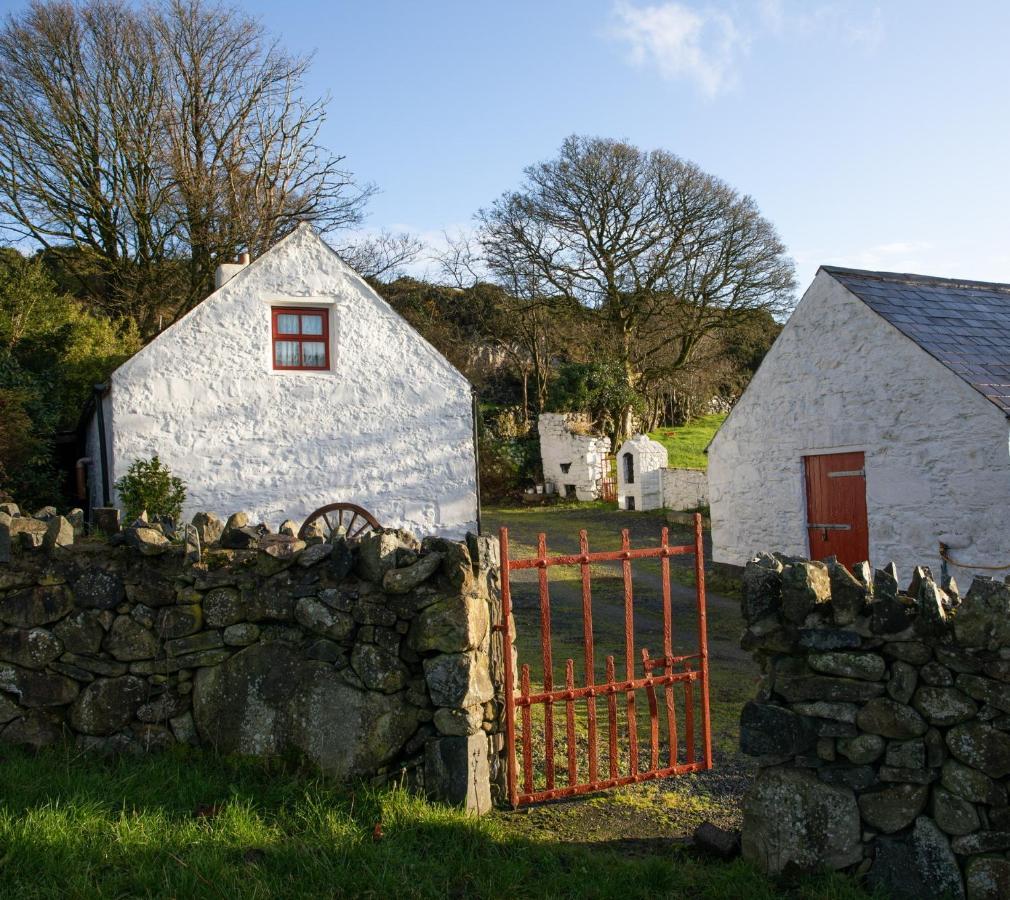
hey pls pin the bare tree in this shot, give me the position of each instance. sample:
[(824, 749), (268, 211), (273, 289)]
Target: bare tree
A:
[(382, 255), (79, 107), (242, 140), (659, 251), (155, 144)]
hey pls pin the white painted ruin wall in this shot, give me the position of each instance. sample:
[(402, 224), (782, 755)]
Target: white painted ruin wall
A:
[(388, 427), (684, 488), (582, 453), (840, 378), (650, 458)]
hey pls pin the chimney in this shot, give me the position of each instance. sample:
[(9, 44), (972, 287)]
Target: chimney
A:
[(227, 271)]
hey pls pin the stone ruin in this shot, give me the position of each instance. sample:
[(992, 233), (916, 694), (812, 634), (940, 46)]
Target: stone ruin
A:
[(573, 458), (372, 658), (882, 727)]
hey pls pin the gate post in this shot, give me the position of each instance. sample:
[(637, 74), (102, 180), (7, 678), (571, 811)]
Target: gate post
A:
[(699, 574), (510, 700), (462, 760)]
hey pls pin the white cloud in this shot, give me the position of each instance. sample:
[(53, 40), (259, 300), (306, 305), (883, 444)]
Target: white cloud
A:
[(868, 33), (705, 45), (680, 42), (788, 18)]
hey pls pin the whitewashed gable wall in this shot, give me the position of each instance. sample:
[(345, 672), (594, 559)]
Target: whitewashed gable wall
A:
[(841, 378), (388, 427)]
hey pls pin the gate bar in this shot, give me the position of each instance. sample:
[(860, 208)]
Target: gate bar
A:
[(548, 660), (699, 577), (524, 688), (580, 693), (587, 640), (612, 716), (629, 651), (557, 793), (671, 718), (573, 772), (601, 556)]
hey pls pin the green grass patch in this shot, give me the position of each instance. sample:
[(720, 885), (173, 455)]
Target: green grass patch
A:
[(686, 445), (196, 825)]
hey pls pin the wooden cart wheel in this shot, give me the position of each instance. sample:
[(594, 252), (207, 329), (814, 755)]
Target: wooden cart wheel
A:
[(353, 519)]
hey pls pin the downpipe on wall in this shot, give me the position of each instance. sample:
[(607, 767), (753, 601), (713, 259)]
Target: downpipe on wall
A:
[(100, 391)]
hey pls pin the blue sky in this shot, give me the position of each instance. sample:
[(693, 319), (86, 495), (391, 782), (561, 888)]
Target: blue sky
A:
[(872, 134)]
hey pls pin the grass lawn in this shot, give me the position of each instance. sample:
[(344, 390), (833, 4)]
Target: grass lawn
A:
[(193, 825), (686, 445)]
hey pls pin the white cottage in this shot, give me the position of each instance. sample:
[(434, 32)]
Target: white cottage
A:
[(876, 427), (292, 386)]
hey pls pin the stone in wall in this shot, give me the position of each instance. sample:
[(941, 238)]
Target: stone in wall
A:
[(368, 658), (898, 701)]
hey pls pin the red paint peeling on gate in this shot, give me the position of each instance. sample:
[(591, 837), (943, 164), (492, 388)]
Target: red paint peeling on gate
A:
[(673, 672)]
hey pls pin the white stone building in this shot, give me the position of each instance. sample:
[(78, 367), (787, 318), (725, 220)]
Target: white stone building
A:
[(292, 386), (573, 458), (876, 427), (640, 465)]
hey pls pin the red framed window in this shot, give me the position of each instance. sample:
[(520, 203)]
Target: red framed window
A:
[(301, 338)]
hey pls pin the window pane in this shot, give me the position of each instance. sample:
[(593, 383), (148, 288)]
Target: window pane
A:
[(286, 353), (312, 324), (313, 353), (287, 323)]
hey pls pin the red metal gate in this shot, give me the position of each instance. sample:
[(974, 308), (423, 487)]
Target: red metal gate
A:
[(608, 484), (687, 671)]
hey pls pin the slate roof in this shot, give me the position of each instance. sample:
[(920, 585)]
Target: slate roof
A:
[(963, 324)]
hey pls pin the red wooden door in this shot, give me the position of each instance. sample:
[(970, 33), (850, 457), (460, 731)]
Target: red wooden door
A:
[(836, 507)]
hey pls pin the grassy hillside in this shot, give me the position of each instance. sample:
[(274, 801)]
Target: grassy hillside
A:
[(686, 445)]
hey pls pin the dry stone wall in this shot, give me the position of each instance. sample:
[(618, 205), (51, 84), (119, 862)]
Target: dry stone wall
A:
[(882, 727), (371, 658)]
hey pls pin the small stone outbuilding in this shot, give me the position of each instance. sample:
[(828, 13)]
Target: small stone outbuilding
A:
[(876, 428), (640, 465)]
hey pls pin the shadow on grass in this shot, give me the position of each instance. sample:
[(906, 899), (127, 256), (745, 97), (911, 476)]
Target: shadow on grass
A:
[(196, 825)]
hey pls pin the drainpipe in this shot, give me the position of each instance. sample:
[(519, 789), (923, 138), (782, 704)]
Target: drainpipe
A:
[(476, 451), (103, 459)]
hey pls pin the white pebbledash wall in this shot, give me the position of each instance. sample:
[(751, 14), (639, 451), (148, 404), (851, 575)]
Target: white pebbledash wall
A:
[(389, 426), (650, 459), (684, 488), (840, 378), (584, 454)]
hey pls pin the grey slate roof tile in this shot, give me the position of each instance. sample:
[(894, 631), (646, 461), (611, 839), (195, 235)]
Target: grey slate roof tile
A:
[(963, 324)]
